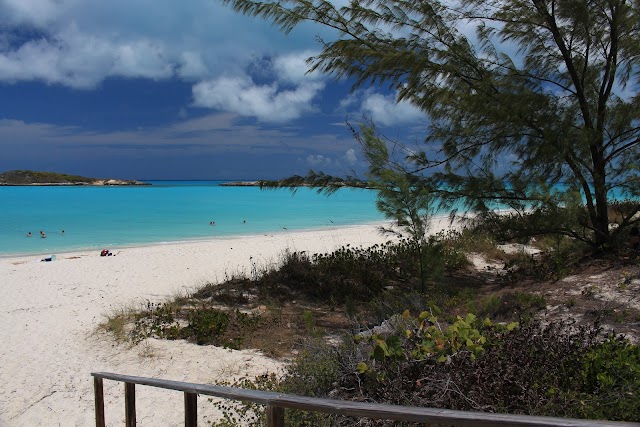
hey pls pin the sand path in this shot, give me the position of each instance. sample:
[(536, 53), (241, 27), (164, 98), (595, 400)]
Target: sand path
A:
[(50, 311)]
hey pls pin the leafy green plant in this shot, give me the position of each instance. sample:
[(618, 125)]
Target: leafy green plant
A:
[(556, 369), (206, 325), (427, 341), (157, 321), (202, 325), (608, 382)]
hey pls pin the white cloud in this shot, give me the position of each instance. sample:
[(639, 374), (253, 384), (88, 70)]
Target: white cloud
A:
[(142, 59), (292, 68), (349, 101), (382, 109), (350, 155), (386, 111), (30, 12), (79, 43), (192, 66), (318, 160), (76, 60), (267, 103)]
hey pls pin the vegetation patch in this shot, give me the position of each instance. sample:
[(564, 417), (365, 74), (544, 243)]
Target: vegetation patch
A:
[(512, 305), (469, 340), (201, 325), (552, 370)]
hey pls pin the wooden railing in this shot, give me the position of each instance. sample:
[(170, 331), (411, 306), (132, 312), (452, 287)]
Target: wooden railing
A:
[(276, 403)]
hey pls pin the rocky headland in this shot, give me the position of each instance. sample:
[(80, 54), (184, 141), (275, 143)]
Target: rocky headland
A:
[(28, 177)]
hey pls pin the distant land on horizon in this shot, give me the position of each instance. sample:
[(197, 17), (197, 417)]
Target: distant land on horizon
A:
[(29, 177), (241, 183)]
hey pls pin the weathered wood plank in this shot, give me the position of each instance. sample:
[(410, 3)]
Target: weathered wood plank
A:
[(275, 416), (129, 404), (190, 409), (99, 401), (363, 409)]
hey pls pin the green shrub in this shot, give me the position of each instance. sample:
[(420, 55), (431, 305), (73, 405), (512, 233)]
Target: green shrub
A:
[(610, 386), (156, 321), (201, 325), (357, 274), (206, 325), (472, 240), (554, 370), (312, 372), (520, 306), (550, 265)]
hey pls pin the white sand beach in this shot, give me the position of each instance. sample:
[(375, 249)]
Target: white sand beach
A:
[(50, 312)]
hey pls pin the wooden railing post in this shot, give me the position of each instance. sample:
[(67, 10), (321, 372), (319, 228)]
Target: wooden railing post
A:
[(275, 416), (130, 404), (190, 409), (99, 398), (276, 403)]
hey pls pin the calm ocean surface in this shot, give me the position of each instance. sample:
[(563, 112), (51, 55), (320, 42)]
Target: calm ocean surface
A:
[(166, 211)]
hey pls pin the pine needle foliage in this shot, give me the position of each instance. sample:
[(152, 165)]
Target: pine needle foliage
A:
[(530, 103)]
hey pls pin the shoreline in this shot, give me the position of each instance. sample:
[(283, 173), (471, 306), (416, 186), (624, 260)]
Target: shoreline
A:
[(85, 249), (137, 216), (438, 222), (55, 309)]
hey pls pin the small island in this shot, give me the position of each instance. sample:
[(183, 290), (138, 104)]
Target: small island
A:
[(28, 177), (241, 184)]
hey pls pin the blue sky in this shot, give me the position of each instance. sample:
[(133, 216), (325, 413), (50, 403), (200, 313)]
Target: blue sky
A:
[(159, 89)]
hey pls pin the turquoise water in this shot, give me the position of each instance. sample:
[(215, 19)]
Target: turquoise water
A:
[(166, 211)]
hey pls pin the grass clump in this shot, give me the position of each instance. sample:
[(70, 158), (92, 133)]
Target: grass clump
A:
[(472, 239), (202, 325), (117, 323)]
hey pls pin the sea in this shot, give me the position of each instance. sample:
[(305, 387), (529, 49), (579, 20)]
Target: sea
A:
[(94, 217)]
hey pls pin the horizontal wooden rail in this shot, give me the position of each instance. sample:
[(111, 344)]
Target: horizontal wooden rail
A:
[(277, 402)]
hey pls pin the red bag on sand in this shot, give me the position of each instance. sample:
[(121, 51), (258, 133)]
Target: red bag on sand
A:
[(104, 252)]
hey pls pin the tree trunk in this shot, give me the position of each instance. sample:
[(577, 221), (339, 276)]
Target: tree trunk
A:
[(601, 226)]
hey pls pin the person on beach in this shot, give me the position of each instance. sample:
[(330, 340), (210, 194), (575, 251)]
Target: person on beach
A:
[(42, 234), (29, 234), (62, 232)]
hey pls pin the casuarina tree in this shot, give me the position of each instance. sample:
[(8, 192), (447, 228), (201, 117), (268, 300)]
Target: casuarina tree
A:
[(530, 103)]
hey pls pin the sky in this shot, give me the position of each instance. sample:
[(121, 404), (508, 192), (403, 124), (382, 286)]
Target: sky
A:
[(161, 89)]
